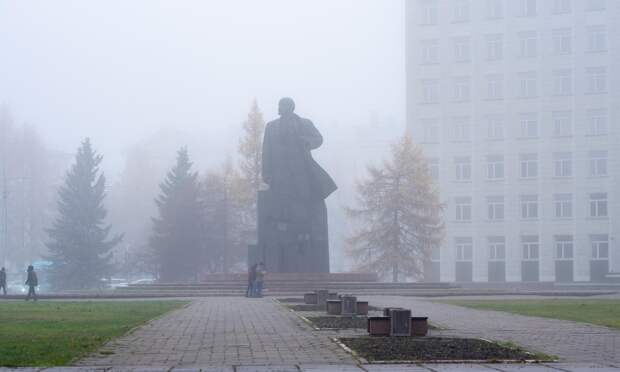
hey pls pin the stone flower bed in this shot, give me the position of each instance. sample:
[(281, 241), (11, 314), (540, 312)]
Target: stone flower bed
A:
[(432, 348)]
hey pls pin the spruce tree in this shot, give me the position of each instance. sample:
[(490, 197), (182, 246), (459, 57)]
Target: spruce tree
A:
[(178, 231), (398, 215), (78, 245)]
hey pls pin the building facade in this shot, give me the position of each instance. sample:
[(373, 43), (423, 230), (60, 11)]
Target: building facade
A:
[(516, 103)]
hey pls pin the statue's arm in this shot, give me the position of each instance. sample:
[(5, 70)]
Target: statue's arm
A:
[(310, 135), (266, 156)]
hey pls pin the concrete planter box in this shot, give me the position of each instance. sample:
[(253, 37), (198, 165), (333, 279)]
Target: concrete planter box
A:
[(362, 308), (310, 298), (379, 326), (419, 326), (334, 307), (387, 311)]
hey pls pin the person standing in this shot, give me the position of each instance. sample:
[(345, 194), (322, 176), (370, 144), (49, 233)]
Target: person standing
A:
[(32, 281), (260, 278), (251, 280), (3, 280)]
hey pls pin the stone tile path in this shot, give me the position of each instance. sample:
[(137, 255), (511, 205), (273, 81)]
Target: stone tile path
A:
[(223, 331), (570, 341)]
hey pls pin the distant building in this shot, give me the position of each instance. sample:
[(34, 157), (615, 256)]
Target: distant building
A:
[(517, 104)]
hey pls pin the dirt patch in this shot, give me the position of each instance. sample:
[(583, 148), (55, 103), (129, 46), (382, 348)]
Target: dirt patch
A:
[(339, 322), (431, 348), (291, 300)]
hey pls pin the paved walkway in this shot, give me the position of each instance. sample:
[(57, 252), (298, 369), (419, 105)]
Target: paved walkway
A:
[(345, 368), (223, 331), (570, 341)]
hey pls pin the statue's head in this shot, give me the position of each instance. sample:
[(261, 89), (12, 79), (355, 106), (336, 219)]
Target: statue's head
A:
[(286, 106)]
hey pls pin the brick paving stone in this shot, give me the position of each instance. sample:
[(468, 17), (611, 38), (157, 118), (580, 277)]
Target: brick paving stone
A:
[(457, 367), (570, 341), (330, 368), (396, 368), (267, 369), (223, 331)]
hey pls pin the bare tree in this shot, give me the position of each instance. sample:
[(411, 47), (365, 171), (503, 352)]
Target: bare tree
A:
[(398, 216)]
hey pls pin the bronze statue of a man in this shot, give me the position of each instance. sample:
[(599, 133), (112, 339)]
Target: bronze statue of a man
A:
[(292, 226)]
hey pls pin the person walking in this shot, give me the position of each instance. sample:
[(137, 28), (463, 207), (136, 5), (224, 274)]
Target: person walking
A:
[(251, 280), (32, 281), (3, 280), (259, 281)]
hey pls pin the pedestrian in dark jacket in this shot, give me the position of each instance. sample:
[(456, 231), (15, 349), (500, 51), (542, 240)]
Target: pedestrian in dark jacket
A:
[(32, 281), (251, 279), (3, 280), (259, 281)]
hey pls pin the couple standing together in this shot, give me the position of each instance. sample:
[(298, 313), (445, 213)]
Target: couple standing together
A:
[(256, 277)]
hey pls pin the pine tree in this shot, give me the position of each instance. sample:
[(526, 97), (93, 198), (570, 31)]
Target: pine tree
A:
[(398, 214), (79, 248), (177, 237)]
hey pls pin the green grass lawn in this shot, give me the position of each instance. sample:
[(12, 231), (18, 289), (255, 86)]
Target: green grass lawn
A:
[(55, 333), (599, 312)]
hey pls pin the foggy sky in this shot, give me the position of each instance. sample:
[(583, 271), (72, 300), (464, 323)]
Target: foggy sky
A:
[(119, 71)]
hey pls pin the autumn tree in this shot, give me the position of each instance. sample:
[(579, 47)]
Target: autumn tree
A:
[(224, 214), (398, 216), (79, 247), (250, 164), (178, 230)]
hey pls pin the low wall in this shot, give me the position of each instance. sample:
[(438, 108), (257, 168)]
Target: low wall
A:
[(296, 277)]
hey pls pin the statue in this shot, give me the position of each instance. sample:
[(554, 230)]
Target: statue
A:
[(292, 216)]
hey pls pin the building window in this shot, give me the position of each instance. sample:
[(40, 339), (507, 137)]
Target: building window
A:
[(463, 208), (600, 246), (561, 6), (429, 52), (464, 248), (428, 12), (598, 163), (497, 248), (461, 89), (495, 87), (462, 49), (529, 125), (463, 168), (433, 168), (461, 129), (528, 44), (597, 80), (495, 207), (597, 39), (564, 247), (562, 41), (495, 167), (562, 123), (461, 11), (562, 82), (598, 204), (431, 130), (595, 5), (529, 165), (563, 204), (597, 120), (527, 8), (495, 9), (495, 48), (530, 246), (529, 206), (563, 164), (527, 84), (430, 90), (495, 127)]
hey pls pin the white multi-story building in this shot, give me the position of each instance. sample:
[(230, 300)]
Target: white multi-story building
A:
[(517, 104)]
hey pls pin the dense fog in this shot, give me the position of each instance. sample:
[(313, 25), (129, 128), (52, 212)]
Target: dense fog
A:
[(143, 78)]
